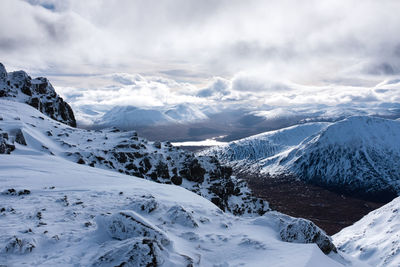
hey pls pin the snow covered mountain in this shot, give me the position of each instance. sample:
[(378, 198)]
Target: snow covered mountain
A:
[(360, 154), (185, 113), (375, 239), (129, 117), (39, 93)]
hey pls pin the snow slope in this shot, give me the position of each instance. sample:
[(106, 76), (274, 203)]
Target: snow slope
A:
[(54, 212), (375, 239), (360, 154)]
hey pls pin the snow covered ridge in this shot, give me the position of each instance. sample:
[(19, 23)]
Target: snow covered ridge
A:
[(54, 212), (375, 238), (39, 93), (24, 130), (359, 155)]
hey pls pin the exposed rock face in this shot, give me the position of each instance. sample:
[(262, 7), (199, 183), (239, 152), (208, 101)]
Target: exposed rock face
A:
[(39, 93)]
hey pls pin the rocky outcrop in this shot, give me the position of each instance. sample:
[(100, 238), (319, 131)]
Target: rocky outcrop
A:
[(16, 245), (299, 230), (140, 242), (38, 92)]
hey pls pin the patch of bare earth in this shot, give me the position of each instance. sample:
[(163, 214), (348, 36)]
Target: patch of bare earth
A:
[(330, 210)]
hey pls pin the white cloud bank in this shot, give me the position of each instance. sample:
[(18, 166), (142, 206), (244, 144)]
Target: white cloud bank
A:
[(277, 53)]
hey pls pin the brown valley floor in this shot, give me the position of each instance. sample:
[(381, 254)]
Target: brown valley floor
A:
[(329, 210)]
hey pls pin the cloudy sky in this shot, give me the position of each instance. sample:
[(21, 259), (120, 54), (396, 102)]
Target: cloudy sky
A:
[(153, 53)]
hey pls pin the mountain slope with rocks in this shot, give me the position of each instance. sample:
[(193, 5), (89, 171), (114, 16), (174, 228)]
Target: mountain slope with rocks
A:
[(30, 132)]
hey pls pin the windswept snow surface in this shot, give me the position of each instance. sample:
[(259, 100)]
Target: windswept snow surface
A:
[(77, 215), (375, 239)]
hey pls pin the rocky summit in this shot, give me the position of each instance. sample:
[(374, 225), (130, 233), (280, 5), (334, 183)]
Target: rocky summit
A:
[(38, 92)]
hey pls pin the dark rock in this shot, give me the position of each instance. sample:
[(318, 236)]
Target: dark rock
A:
[(120, 157), (19, 138), (34, 102), (3, 73), (162, 170), (146, 164), (24, 192), (131, 166), (153, 176), (176, 180), (218, 202), (157, 144), (193, 171)]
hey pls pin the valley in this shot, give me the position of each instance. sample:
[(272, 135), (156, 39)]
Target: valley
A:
[(329, 210)]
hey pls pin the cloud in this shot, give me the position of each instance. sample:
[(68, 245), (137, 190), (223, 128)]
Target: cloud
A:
[(218, 87), (251, 83), (126, 79), (147, 53), (181, 38)]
